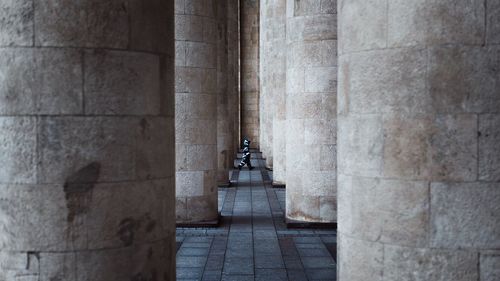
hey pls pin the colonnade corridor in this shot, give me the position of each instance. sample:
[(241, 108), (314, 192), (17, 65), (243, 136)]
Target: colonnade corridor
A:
[(252, 241)]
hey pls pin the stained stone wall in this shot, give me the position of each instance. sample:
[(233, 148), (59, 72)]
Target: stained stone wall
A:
[(196, 110), (311, 86), (419, 140), (273, 85), (86, 140), (272, 78), (249, 27)]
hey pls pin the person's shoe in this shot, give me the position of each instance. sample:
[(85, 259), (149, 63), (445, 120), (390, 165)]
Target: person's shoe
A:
[(239, 168), (251, 168)]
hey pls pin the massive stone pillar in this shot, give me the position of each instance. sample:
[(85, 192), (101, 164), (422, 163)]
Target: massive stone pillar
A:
[(311, 86), (196, 111), (227, 78), (86, 140), (250, 71), (233, 71), (272, 78), (273, 85), (419, 140)]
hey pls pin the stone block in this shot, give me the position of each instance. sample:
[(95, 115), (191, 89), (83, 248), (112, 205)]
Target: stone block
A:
[(301, 207), (199, 54), (444, 148), (45, 81), (89, 149), (203, 208), (90, 23), (489, 265), (493, 22), (320, 132), (18, 150), (195, 131), (465, 215), (122, 83), (196, 106), (149, 29), (328, 209), (321, 79), (305, 106), (489, 147), (58, 266), (13, 265), (16, 23), (117, 216), (386, 81), (195, 80), (319, 183), (464, 79), (360, 143), (368, 31), (57, 216), (189, 183), (155, 148), (312, 53), (434, 22), (389, 211), (359, 260), (112, 264), (429, 264), (310, 28)]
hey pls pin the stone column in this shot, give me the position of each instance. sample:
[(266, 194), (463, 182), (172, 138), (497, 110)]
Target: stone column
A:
[(273, 85), (419, 140), (225, 106), (86, 140), (233, 72), (311, 86), (250, 71), (196, 111), (272, 76)]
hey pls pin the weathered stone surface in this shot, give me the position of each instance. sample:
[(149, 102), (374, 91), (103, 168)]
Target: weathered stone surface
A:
[(60, 226), (465, 215), (58, 266), (90, 23), (359, 260), (365, 153), (149, 29), (117, 216), (386, 81), (15, 264), (70, 145), (441, 149), (122, 83), (489, 265), (432, 22), (489, 147), (493, 22), (16, 23), (18, 150), (398, 211), (45, 81), (429, 264), (464, 79), (368, 31), (196, 111)]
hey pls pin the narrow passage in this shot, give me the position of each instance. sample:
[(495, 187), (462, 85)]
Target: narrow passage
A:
[(252, 242)]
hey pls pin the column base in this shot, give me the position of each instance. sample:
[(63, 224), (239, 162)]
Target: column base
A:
[(304, 224), (211, 223), (224, 184), (278, 185)]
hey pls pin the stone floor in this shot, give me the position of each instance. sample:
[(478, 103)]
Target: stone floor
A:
[(252, 242)]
